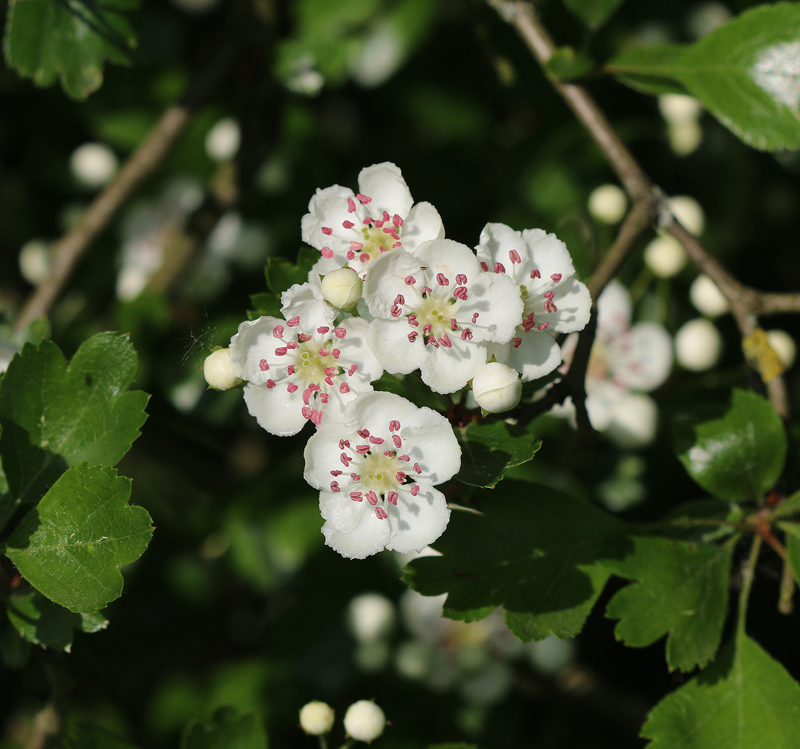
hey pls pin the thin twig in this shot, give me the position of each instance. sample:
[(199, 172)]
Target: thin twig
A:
[(748, 573), (142, 163)]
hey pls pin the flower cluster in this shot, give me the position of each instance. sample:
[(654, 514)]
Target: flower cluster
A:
[(390, 293)]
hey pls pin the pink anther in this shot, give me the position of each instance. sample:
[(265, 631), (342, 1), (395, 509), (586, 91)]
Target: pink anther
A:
[(263, 366), (362, 449), (327, 230), (364, 257), (409, 280), (556, 277), (396, 220), (363, 198), (303, 337), (412, 336), (398, 443), (461, 293), (346, 460), (403, 457), (371, 497), (316, 418), (426, 329), (291, 387), (363, 433), (356, 246), (306, 411), (453, 323), (544, 326), (535, 274), (400, 477), (331, 371), (270, 384), (517, 341), (514, 257), (484, 266), (376, 440), (417, 469), (350, 254), (351, 205), (381, 513), (355, 477), (445, 341), (324, 397), (336, 473), (426, 290), (352, 370), (442, 280), (348, 224), (327, 252), (339, 332), (399, 299), (466, 334), (335, 486), (392, 497), (415, 490), (499, 268), (278, 331), (335, 353), (412, 320), (475, 318), (323, 329), (323, 351), (344, 388), (394, 425), (293, 322), (461, 279), (355, 496), (396, 311)]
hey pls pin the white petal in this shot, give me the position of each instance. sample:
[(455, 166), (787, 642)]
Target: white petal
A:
[(385, 280), (276, 410), (573, 305), (422, 223), (251, 344), (448, 257), (497, 300), (445, 370), (352, 528), (322, 453), (355, 350), (633, 421), (384, 183), (613, 311), (537, 355), (305, 300), (388, 340), (376, 410), (641, 358), (550, 255), (433, 445), (328, 208), (417, 521)]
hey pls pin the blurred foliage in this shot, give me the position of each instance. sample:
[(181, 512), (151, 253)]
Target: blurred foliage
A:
[(237, 602)]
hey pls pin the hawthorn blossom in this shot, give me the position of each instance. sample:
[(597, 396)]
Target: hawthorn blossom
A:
[(437, 311), (626, 362), (354, 228), (554, 300), (302, 367), (376, 470)]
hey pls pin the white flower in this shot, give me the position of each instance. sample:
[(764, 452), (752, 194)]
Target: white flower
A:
[(436, 311), (376, 470), (341, 288), (364, 721), (496, 387), (222, 141), (624, 359), (371, 617), (698, 345), (301, 368), (316, 718), (554, 301), (354, 228), (218, 371)]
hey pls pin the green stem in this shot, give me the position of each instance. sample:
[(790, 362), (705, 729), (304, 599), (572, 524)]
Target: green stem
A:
[(748, 573)]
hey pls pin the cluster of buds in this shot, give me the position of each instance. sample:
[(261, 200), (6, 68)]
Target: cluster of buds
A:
[(363, 721)]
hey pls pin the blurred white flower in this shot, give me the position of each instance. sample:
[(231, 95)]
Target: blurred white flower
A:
[(698, 345), (379, 57), (665, 256), (608, 204), (682, 114), (707, 298), (93, 165), (783, 345), (35, 261), (370, 616), (222, 141), (364, 721), (551, 655)]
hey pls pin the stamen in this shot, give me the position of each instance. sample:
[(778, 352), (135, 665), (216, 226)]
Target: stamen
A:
[(336, 473), (344, 388), (550, 307), (316, 418), (544, 326), (426, 329), (392, 497), (409, 280), (270, 384), (381, 513), (343, 444), (514, 256), (461, 279), (307, 395), (306, 411), (335, 486), (327, 252), (324, 351), (453, 323), (339, 332), (403, 458), (417, 469), (293, 322), (400, 477), (351, 205), (556, 277), (484, 266), (445, 341), (263, 366), (281, 351), (348, 224), (323, 397), (324, 329), (396, 311), (346, 460), (327, 230), (499, 268), (335, 353), (412, 320), (356, 246), (466, 334), (398, 443), (399, 299), (517, 342), (475, 318), (364, 257), (355, 496), (350, 254), (363, 433), (303, 337), (376, 440), (426, 290), (352, 370), (461, 293), (363, 198), (412, 336), (291, 387), (355, 477), (278, 331), (396, 220), (442, 280), (415, 490), (372, 498), (362, 449), (535, 274), (394, 425)]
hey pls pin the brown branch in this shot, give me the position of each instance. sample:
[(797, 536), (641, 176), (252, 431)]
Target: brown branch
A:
[(142, 163), (746, 303)]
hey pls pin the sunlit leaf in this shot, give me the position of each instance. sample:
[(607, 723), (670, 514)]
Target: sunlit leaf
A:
[(489, 450)]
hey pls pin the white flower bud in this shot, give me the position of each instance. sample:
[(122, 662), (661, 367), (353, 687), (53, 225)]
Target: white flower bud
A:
[(35, 261), (698, 345), (93, 165), (218, 371), (783, 345), (607, 203), (222, 141), (341, 288), (496, 387), (665, 256), (364, 721), (370, 616), (707, 298), (679, 108), (684, 137), (316, 718), (688, 211)]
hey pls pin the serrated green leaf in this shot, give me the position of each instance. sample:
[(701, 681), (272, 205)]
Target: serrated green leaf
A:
[(489, 450), (642, 68), (744, 700), (71, 545), (228, 729), (681, 591), (45, 623), (744, 72), (281, 274), (593, 13), (533, 550), (565, 64), (85, 736), (264, 304), (738, 456), (68, 39), (55, 416)]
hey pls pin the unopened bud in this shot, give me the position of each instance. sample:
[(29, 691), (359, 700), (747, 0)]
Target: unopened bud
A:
[(665, 256), (679, 108), (698, 345), (93, 165), (364, 721), (316, 718), (707, 298), (218, 371), (496, 387), (689, 212), (783, 345), (341, 288), (607, 203)]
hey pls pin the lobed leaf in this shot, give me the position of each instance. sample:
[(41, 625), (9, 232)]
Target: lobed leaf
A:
[(744, 699), (746, 73), (535, 551), (55, 416), (71, 545), (228, 729), (489, 450), (738, 456), (681, 591), (68, 39)]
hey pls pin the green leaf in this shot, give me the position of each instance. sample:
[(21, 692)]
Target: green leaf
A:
[(71, 545), (682, 592), (745, 73), (228, 729), (86, 736), (533, 550), (55, 416), (15, 650), (790, 506), (744, 700), (642, 68), (264, 304), (566, 64), (593, 13), (489, 450), (282, 274), (738, 456), (45, 623), (68, 39)]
